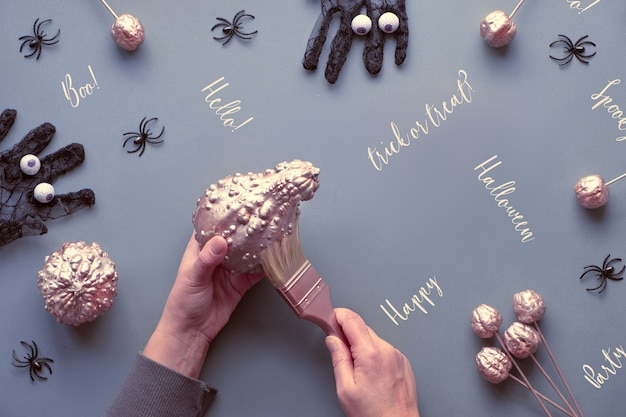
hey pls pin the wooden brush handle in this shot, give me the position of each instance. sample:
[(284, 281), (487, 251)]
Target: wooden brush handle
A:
[(309, 297)]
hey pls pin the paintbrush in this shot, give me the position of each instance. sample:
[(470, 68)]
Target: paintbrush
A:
[(297, 281)]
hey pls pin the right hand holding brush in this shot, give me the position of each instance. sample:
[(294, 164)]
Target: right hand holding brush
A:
[(374, 379)]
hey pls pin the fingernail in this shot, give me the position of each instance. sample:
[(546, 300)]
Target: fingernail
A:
[(331, 344)]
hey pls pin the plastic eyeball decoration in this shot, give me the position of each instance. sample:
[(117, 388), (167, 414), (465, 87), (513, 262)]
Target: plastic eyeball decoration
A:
[(498, 29), (44, 192), (78, 283), (127, 31), (30, 164), (591, 191), (361, 24), (388, 22)]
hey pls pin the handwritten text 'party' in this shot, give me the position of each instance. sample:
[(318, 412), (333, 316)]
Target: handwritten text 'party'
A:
[(599, 378)]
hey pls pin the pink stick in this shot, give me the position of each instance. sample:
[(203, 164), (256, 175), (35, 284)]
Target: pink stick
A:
[(548, 400), (558, 370), (543, 371), (512, 359)]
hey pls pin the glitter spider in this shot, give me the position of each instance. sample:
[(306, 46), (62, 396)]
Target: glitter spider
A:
[(231, 29), (605, 272), (573, 50), (141, 138), (38, 39), (33, 362)]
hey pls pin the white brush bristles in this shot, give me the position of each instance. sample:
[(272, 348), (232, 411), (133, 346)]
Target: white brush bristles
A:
[(282, 259)]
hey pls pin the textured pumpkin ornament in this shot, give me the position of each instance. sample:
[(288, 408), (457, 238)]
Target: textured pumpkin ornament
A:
[(78, 283), (253, 211)]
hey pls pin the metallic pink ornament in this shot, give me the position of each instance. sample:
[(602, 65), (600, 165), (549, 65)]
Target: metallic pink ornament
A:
[(493, 364), (485, 321), (78, 283), (498, 28), (521, 340), (253, 211), (529, 306), (591, 191), (127, 31)]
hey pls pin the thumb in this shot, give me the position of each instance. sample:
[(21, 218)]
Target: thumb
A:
[(200, 263), (343, 365), (213, 253)]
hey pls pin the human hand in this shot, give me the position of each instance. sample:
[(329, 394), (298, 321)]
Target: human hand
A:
[(202, 299), (373, 378), (20, 214)]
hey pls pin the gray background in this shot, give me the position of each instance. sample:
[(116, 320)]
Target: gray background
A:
[(374, 235)]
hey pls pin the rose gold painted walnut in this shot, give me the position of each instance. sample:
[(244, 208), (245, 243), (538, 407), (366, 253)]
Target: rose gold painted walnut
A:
[(78, 283), (529, 306), (591, 191), (521, 340), (498, 29), (127, 31), (253, 211), (493, 364), (485, 321)]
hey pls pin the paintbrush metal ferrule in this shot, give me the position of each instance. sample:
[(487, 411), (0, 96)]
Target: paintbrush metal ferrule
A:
[(308, 296), (302, 287)]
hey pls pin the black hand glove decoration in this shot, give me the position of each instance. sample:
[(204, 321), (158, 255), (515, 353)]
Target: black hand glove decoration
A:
[(375, 39), (20, 214), (373, 53)]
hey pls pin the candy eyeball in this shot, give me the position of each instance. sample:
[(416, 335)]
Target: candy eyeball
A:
[(30, 164), (361, 24), (44, 192), (388, 22)]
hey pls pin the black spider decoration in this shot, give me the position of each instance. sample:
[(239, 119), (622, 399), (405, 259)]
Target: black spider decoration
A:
[(143, 137), (233, 28), (33, 362), (38, 39), (606, 271), (573, 50)]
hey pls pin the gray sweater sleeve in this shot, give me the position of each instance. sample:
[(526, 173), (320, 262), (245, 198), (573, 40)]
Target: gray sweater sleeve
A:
[(153, 390)]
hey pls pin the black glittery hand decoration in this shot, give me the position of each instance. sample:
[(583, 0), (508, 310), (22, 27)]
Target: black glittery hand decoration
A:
[(377, 11), (20, 214)]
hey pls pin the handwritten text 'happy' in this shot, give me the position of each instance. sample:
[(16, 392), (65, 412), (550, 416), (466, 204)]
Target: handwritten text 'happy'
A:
[(415, 303)]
